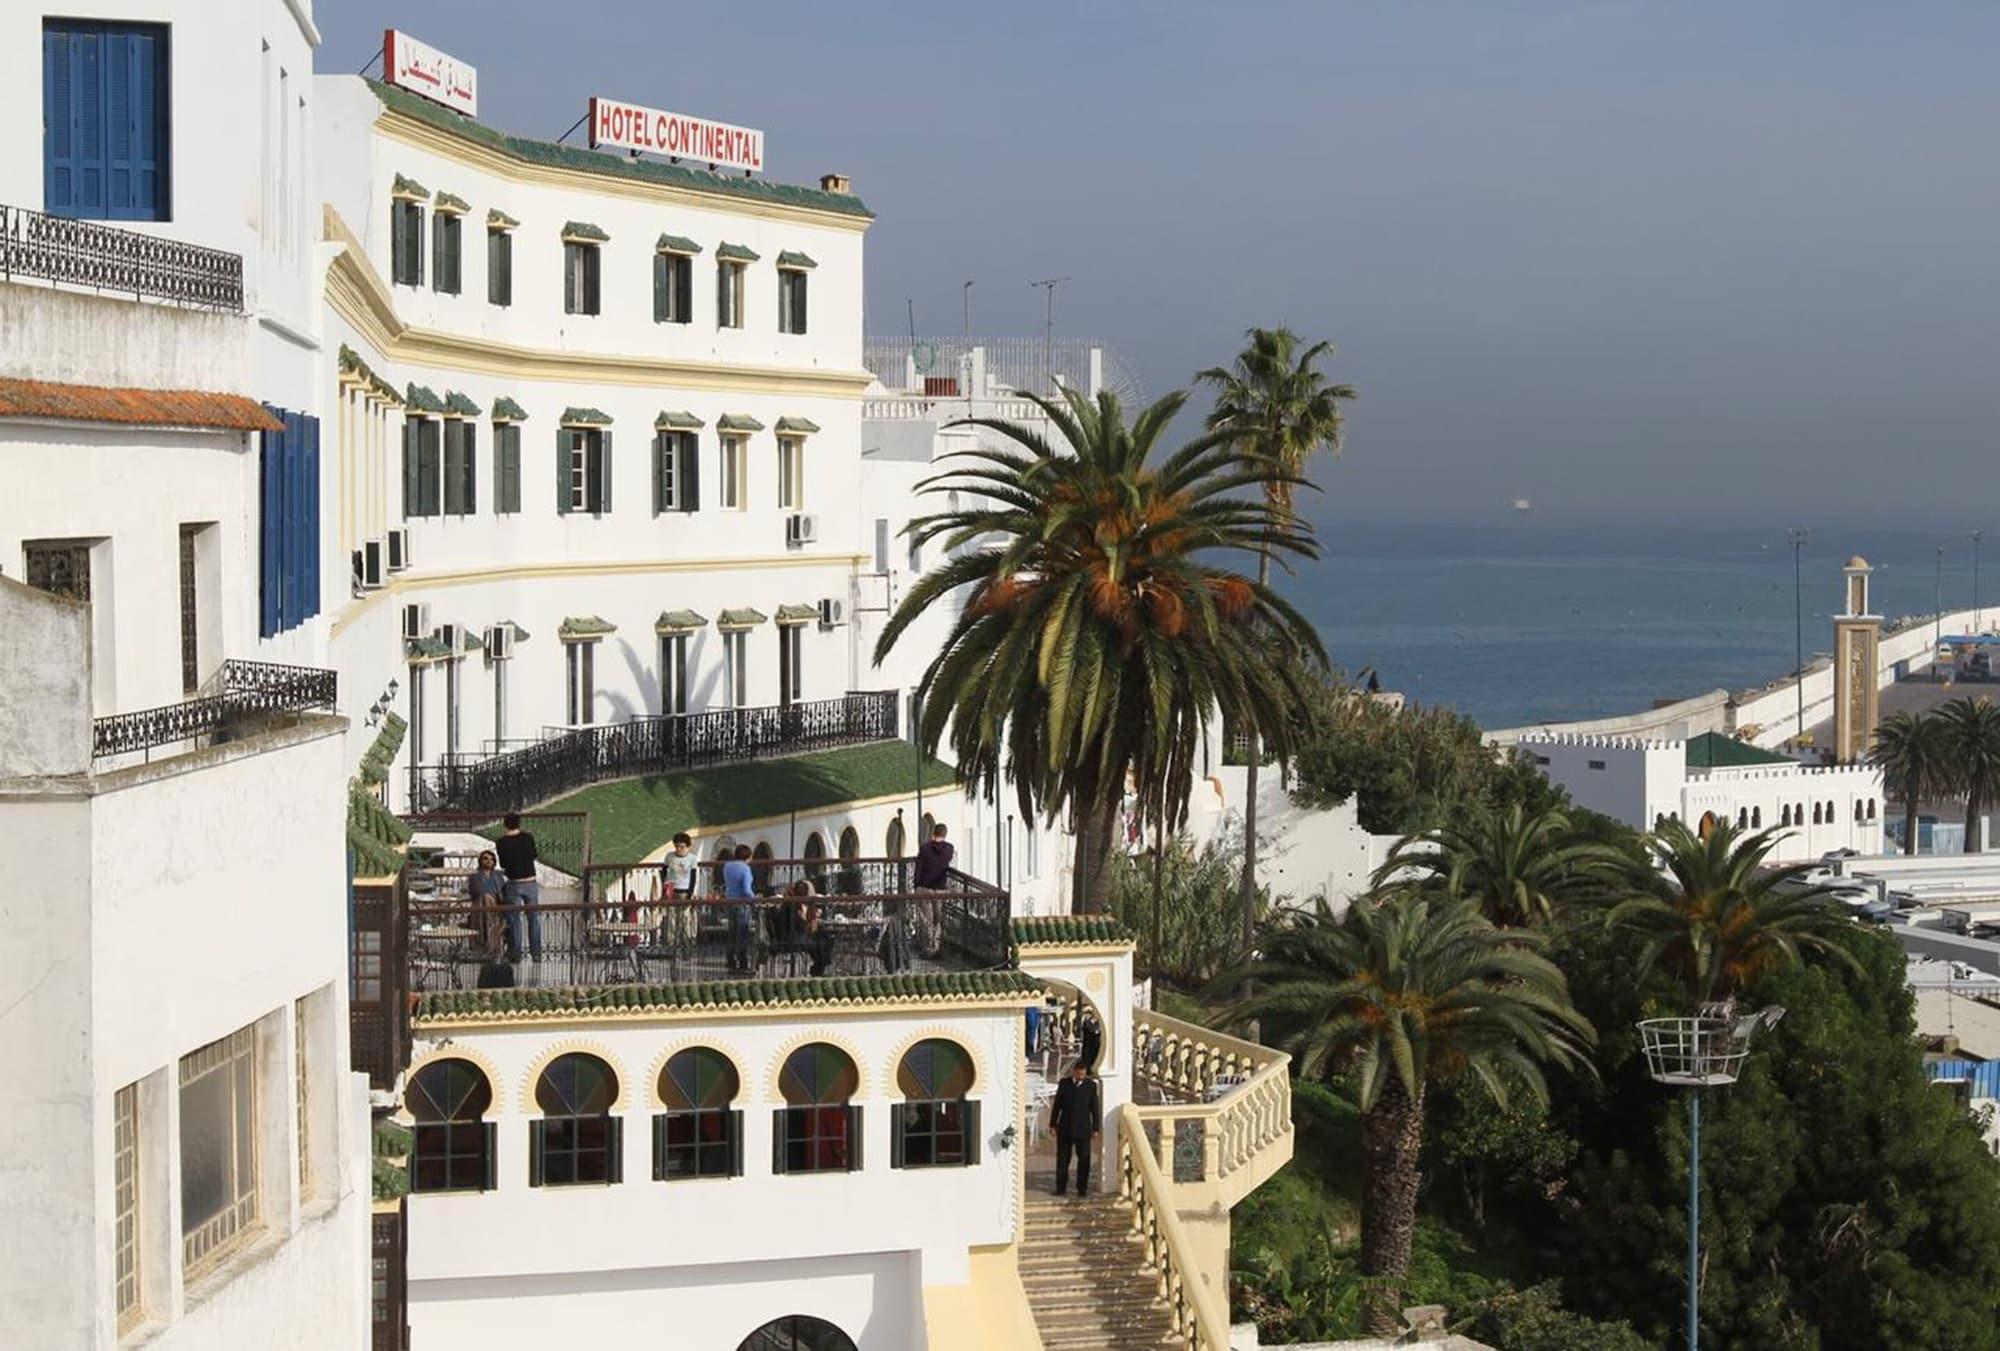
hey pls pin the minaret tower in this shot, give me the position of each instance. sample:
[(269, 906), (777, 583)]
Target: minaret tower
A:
[(1857, 641)]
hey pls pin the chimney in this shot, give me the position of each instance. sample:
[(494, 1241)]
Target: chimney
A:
[(837, 183)]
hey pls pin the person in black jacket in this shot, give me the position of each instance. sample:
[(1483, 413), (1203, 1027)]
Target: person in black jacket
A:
[(1076, 1121)]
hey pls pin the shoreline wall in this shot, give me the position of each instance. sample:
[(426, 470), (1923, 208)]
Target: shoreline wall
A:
[(1769, 714)]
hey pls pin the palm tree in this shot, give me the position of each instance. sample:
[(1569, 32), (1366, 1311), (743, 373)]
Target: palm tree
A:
[(1973, 728), (1717, 918), (1914, 753), (1284, 411), (1519, 869), (1403, 990), (1097, 640)]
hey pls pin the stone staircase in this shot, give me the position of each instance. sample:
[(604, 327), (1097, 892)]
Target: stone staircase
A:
[(1087, 1278)]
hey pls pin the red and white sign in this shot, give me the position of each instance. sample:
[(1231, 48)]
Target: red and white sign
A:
[(627, 126), (409, 64)]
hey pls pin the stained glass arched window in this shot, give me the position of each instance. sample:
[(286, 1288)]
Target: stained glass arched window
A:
[(577, 1139), (452, 1148), (819, 1131), (934, 1126), (699, 1134), (797, 1332)]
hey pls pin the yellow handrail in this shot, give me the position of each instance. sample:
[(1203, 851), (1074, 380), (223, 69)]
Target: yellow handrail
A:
[(1191, 1305)]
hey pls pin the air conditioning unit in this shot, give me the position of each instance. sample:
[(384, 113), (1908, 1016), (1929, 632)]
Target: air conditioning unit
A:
[(453, 637), (373, 569), (399, 549), (831, 613), (416, 621), (499, 642), (801, 528)]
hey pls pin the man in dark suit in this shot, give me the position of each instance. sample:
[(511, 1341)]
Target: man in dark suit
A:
[(1075, 1122)]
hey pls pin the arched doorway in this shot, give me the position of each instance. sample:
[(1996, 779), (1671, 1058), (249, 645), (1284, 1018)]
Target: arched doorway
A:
[(1708, 824), (893, 843), (797, 1332)]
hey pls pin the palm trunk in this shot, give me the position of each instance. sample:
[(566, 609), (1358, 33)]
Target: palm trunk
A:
[(1910, 825), (1392, 1135), (1096, 828)]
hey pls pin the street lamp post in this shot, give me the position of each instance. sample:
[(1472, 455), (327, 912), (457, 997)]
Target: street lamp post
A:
[(1798, 539), (1706, 1051), (1975, 579), (1937, 609)]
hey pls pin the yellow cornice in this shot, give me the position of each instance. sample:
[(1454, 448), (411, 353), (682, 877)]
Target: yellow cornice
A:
[(428, 581), (777, 1011), (422, 135), (358, 294)]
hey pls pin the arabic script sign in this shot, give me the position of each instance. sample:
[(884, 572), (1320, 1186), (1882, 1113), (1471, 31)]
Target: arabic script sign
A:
[(628, 126), (409, 64)]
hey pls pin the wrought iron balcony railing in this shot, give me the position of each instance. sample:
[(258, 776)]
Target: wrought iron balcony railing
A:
[(649, 745), (247, 693), (107, 258)]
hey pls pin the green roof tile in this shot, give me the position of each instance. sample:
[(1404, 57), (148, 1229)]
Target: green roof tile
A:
[(1713, 750), (506, 410), (409, 187), (797, 426), (424, 399), (679, 621), (586, 626), (496, 219), (795, 260), (738, 422), (573, 1001), (455, 402), (677, 422), (797, 614), (548, 153), (737, 253), (1056, 930), (744, 618), (585, 417), (452, 205), (583, 230), (676, 244)]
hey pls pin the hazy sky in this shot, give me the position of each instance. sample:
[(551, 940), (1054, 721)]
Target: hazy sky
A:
[(1664, 257)]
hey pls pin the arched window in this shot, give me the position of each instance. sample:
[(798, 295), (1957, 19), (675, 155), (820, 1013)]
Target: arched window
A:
[(818, 1131), (1659, 820), (934, 1126), (577, 1140), (797, 1332), (1787, 819), (700, 1134), (848, 882), (1742, 818), (893, 844), (815, 857), (1871, 809), (1816, 815), (760, 868), (1756, 818), (452, 1149), (1857, 811), (1708, 825), (924, 834)]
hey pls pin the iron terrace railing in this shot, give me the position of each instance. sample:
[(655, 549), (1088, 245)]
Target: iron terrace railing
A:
[(247, 692), (864, 918), (649, 745), (107, 258)]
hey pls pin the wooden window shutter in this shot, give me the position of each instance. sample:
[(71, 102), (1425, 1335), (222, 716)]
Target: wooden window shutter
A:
[(602, 502), (778, 1140), (690, 475), (491, 1180), (660, 1147), (662, 276), (614, 1162), (684, 285), (854, 1139), (570, 269), (896, 1136), (562, 470), (536, 1131), (736, 1143), (662, 447), (411, 505)]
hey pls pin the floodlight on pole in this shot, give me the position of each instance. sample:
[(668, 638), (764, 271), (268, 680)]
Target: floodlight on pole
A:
[(1705, 1051)]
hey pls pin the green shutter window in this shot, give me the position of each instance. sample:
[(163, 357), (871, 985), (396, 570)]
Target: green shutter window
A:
[(601, 498), (454, 469), (854, 1138), (562, 470), (491, 1180), (614, 1159), (537, 1131), (662, 486), (690, 475), (410, 505), (778, 1119), (736, 1143)]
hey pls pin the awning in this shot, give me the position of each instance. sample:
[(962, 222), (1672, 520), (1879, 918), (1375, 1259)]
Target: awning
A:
[(798, 614), (585, 417), (796, 261), (455, 402), (679, 621), (583, 232), (496, 219), (677, 422), (151, 407), (745, 618), (583, 628), (423, 399), (738, 422), (676, 244), (450, 205), (428, 649), (520, 634), (410, 190), (736, 253), (796, 426), (506, 410)]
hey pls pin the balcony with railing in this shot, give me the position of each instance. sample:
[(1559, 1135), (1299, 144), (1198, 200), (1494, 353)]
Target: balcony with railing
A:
[(245, 697), (809, 918), (107, 258), (1221, 1116), (653, 744)]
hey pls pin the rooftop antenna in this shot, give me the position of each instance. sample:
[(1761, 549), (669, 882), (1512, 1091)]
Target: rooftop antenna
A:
[(1049, 285)]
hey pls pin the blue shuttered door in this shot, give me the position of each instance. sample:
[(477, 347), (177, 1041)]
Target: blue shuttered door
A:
[(288, 532), (271, 503), (309, 519), (104, 120)]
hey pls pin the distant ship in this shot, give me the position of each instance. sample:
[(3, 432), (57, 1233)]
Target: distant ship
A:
[(1521, 504)]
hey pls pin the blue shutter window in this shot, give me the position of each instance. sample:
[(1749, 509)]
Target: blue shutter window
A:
[(288, 525), (270, 567), (105, 122)]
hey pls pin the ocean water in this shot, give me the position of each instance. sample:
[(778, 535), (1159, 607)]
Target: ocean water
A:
[(1526, 619)]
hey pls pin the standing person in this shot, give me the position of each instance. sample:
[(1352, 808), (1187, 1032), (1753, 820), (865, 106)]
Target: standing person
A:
[(1076, 1120), (677, 873), (487, 887), (933, 874), (739, 889), (523, 892)]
